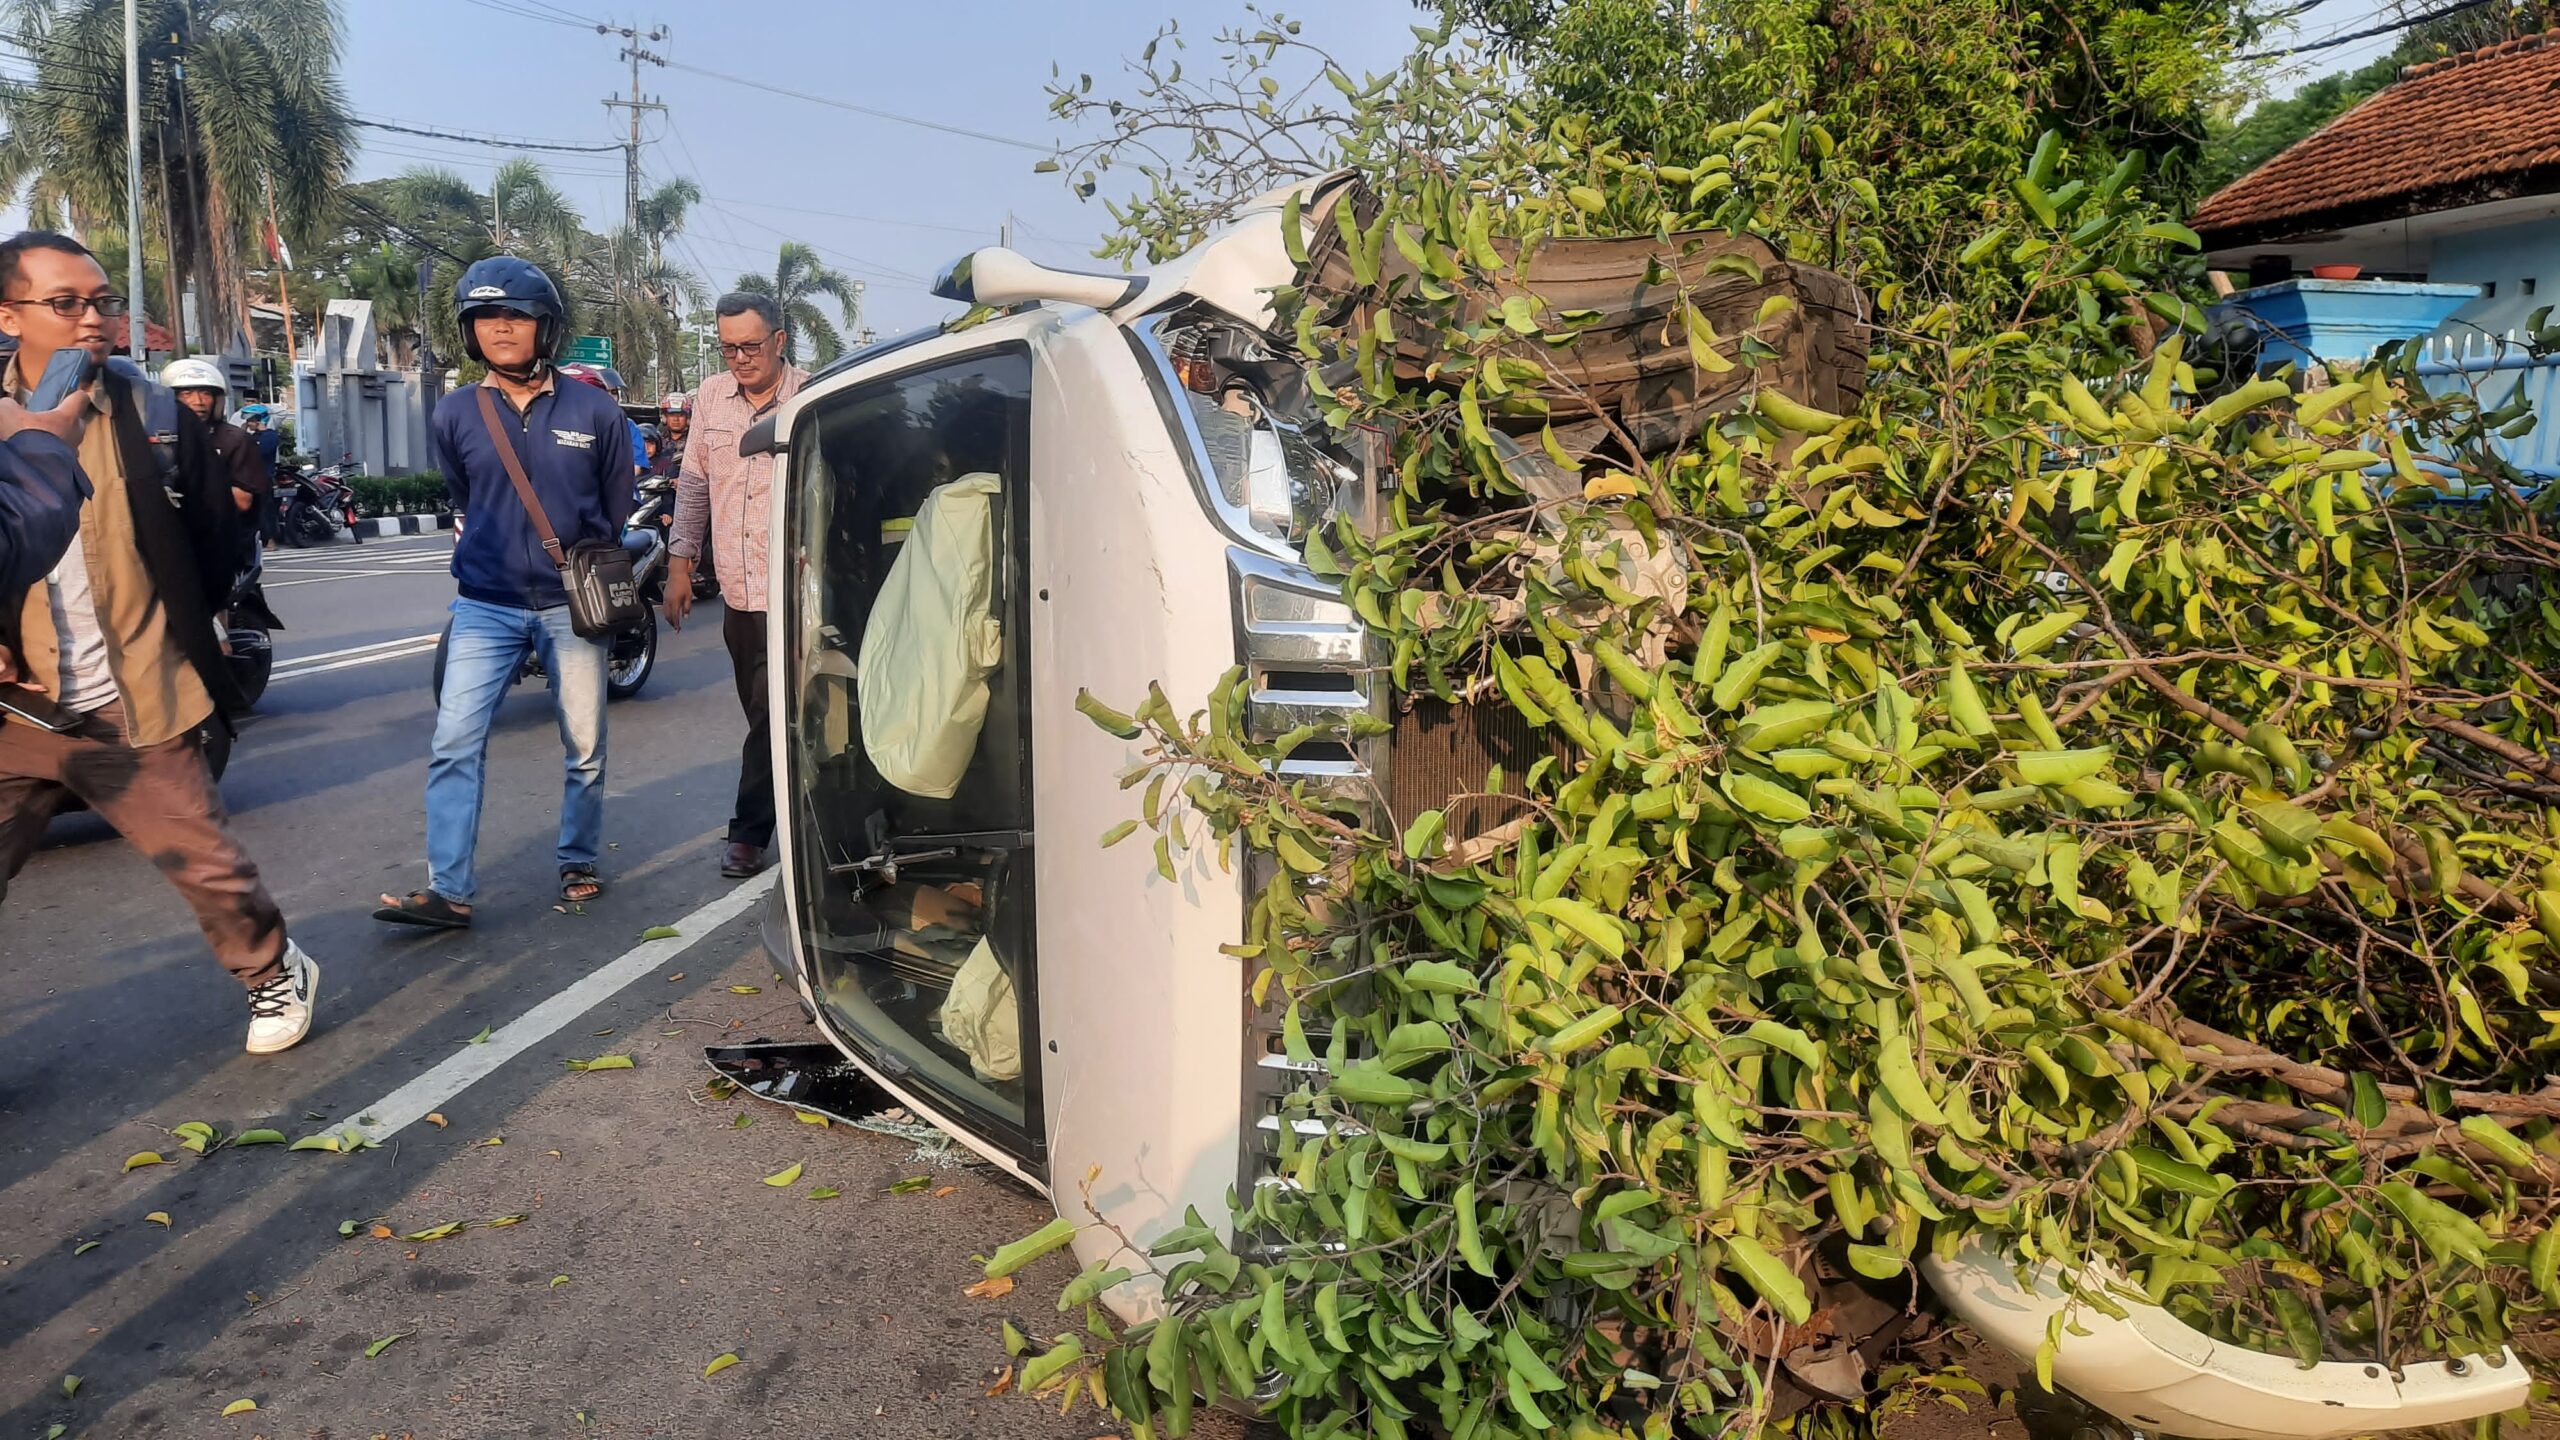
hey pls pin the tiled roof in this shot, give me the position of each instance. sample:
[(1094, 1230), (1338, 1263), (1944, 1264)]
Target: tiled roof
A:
[(2477, 127)]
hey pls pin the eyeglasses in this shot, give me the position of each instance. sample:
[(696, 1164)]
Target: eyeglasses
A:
[(70, 306), (742, 351)]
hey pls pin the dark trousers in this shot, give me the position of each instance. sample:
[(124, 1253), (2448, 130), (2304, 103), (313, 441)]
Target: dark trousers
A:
[(751, 821), (162, 799)]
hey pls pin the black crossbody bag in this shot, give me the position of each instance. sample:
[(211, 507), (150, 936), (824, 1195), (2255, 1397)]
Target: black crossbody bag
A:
[(604, 597)]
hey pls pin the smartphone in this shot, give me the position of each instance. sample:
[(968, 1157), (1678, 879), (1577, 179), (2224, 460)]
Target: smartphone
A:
[(37, 709), (67, 371)]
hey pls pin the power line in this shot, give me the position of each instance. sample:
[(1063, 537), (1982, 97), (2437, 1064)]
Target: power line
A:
[(491, 141), (889, 115), (524, 12), (2408, 23)]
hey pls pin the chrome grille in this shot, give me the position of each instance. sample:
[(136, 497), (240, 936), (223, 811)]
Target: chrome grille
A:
[(1308, 661)]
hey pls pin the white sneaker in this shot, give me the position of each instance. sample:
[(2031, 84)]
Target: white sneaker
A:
[(280, 1010)]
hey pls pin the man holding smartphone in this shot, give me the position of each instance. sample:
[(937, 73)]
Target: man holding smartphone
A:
[(118, 667)]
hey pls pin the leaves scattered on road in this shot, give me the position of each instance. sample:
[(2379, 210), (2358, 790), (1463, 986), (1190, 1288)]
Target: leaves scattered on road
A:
[(559, 1280), (715, 1367), (786, 1178), (806, 1118), (436, 1118), (603, 1062), (995, 1288), (258, 1137), (825, 1192), (159, 1218), (911, 1185), (141, 1158), (239, 1407), (661, 932), (385, 1343), (744, 1119), (197, 1136), (746, 989), (480, 1039), (85, 1246), (70, 1386)]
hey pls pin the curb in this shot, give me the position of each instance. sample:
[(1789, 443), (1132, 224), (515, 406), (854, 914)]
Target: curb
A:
[(382, 525)]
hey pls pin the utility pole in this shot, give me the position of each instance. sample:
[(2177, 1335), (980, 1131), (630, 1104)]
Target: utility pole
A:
[(133, 180), (638, 105)]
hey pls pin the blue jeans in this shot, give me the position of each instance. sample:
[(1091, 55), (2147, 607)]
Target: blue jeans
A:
[(487, 647)]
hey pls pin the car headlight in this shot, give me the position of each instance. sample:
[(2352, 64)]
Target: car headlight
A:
[(1281, 480)]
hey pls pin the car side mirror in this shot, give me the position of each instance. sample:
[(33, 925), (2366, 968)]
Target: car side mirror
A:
[(762, 438)]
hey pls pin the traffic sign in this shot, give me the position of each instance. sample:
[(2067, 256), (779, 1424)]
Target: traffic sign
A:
[(590, 349)]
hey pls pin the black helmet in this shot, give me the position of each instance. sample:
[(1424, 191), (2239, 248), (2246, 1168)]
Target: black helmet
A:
[(503, 282)]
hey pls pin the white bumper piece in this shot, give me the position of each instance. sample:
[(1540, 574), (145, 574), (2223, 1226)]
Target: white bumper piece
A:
[(2158, 1374)]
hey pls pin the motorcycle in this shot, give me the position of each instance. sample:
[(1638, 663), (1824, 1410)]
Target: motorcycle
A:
[(314, 505), (246, 623), (634, 652)]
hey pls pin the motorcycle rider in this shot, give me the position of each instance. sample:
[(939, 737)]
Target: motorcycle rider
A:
[(200, 387), (609, 381), (118, 643), (257, 420), (675, 415), (573, 444)]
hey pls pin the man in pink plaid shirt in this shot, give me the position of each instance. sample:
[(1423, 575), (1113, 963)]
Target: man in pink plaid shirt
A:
[(727, 499)]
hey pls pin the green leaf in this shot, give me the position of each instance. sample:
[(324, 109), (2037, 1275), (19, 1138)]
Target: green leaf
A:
[(239, 1407), (385, 1343), (70, 1386), (258, 1137), (911, 1185), (661, 932), (718, 1364), (784, 1178), (602, 1062), (824, 1192), (1776, 1283), (139, 1159), (1053, 1236)]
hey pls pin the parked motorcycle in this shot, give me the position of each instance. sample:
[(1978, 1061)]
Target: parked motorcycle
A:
[(314, 505), (634, 653)]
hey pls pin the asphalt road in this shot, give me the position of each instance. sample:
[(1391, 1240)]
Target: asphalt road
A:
[(650, 1247)]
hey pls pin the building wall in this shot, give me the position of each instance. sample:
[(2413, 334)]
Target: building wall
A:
[(2522, 261)]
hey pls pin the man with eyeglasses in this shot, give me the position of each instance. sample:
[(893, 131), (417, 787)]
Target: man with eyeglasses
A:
[(727, 498), (118, 668)]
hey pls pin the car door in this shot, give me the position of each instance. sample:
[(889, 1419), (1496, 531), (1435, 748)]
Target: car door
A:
[(915, 906)]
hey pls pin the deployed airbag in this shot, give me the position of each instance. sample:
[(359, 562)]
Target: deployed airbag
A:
[(981, 1017), (932, 640)]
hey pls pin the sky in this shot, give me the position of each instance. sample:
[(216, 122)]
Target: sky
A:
[(899, 200), (902, 201)]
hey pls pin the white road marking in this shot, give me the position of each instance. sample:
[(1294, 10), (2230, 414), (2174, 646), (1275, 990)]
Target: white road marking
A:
[(295, 660), (470, 1064), (310, 577), (296, 672)]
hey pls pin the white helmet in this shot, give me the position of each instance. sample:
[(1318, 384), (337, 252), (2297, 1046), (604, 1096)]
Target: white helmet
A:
[(194, 373)]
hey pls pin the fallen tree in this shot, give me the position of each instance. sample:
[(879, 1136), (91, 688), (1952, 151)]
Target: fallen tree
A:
[(2063, 794)]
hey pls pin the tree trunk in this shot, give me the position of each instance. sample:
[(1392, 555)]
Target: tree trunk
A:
[(218, 288)]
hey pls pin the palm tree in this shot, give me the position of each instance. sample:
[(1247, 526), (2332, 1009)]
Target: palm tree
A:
[(651, 288), (241, 107), (799, 278)]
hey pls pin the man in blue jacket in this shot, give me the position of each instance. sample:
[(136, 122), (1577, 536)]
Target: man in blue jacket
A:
[(574, 445)]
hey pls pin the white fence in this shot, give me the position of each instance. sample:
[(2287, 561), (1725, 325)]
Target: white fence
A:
[(2492, 369)]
